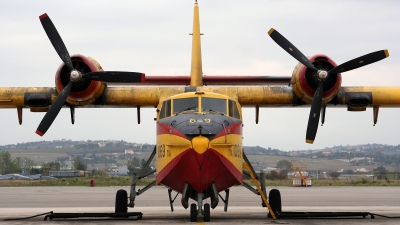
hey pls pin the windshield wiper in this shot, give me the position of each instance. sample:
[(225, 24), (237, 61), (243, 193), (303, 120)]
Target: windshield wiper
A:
[(190, 108), (212, 111)]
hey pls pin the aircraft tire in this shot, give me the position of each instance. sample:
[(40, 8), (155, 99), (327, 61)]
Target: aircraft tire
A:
[(121, 201), (275, 201), (193, 213), (206, 212)]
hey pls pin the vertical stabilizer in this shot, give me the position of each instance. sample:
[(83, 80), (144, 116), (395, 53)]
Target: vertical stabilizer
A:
[(196, 72)]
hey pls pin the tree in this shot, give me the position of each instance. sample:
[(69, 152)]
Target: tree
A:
[(142, 163), (348, 172), (79, 165), (380, 169), (283, 165), (334, 175), (274, 175), (134, 165), (378, 156), (6, 164)]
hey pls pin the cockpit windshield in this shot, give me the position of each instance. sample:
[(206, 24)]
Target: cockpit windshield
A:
[(222, 106), (217, 105), (186, 104)]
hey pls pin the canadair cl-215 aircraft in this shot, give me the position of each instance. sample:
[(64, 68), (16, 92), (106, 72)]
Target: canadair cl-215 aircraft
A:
[(199, 150)]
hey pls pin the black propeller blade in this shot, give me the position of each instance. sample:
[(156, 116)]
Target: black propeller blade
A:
[(75, 75), (290, 48), (313, 119), (316, 104), (56, 40), (115, 76), (54, 110), (360, 61)]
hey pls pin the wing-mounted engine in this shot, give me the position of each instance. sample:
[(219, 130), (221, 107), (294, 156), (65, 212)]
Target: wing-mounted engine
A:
[(305, 81), (317, 80), (84, 91), (79, 80)]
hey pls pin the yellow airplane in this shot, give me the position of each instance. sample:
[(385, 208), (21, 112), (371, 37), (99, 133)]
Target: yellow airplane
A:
[(199, 151)]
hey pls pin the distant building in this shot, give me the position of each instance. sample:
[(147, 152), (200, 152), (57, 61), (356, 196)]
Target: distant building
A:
[(102, 144), (119, 171), (269, 169), (129, 151), (363, 170), (68, 165), (69, 173)]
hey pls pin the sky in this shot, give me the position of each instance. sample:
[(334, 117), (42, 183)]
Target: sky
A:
[(152, 37)]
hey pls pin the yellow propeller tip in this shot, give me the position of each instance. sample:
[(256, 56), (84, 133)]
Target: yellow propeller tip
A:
[(270, 31), (309, 141), (386, 53)]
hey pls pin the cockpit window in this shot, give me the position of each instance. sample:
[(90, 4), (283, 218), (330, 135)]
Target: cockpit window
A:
[(213, 105), (233, 110), (166, 109), (186, 104)]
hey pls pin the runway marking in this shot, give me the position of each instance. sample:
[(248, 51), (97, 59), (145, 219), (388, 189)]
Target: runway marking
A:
[(200, 223)]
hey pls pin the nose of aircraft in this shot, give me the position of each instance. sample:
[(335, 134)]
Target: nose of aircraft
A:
[(200, 145)]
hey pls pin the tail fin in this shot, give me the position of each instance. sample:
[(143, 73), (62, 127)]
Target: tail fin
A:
[(196, 72)]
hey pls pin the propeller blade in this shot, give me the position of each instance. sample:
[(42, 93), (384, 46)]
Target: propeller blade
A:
[(56, 40), (115, 76), (290, 48), (313, 120), (54, 110), (360, 61)]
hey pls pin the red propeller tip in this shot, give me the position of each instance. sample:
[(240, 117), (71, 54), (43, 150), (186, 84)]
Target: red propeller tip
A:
[(39, 133), (143, 78), (43, 16)]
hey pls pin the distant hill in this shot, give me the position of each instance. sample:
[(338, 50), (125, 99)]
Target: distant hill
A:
[(113, 151)]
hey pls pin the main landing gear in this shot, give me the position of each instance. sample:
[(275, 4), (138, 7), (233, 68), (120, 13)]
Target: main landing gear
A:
[(121, 198), (275, 204), (121, 201)]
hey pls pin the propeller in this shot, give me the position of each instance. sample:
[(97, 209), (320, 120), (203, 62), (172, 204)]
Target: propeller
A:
[(75, 75), (316, 104)]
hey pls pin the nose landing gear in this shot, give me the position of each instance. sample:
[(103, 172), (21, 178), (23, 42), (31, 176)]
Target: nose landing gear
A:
[(199, 209), (205, 213)]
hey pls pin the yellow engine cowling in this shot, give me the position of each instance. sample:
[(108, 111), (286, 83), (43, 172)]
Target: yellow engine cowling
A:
[(305, 81), (85, 91)]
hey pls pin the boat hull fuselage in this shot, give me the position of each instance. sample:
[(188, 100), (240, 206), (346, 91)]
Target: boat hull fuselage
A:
[(199, 149)]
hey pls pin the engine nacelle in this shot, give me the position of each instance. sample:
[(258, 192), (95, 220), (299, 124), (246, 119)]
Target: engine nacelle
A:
[(84, 91), (305, 81)]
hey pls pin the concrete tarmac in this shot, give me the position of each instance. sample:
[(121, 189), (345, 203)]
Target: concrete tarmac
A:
[(244, 206)]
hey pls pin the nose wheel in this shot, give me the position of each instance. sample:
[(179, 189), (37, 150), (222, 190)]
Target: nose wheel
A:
[(194, 212), (206, 212)]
